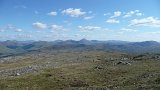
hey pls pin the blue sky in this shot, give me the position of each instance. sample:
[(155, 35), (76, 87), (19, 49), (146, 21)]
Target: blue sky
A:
[(136, 20)]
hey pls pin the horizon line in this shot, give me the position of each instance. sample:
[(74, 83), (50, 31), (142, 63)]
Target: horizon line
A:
[(77, 40)]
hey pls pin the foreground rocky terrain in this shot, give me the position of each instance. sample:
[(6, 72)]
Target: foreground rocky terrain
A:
[(79, 65), (80, 70)]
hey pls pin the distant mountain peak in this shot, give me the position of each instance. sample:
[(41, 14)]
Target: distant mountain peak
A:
[(83, 39)]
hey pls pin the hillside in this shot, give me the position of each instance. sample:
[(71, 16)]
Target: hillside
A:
[(19, 47), (80, 70), (80, 65)]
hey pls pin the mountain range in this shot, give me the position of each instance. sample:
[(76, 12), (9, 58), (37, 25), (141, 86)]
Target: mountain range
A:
[(10, 47)]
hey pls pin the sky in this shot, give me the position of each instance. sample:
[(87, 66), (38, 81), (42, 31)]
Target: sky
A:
[(49, 20)]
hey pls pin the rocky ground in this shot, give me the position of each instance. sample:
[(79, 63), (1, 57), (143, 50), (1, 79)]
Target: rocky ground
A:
[(32, 62), (80, 70)]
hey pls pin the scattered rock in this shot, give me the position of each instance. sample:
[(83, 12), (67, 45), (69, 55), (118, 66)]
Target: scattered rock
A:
[(123, 63), (17, 74), (99, 67)]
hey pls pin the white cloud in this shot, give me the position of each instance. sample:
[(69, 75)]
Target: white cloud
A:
[(128, 30), (73, 12), (18, 30), (52, 27), (56, 27), (131, 13), (52, 13), (137, 11), (149, 21), (139, 14), (88, 17), (116, 14), (88, 28), (39, 25), (22, 36), (10, 27), (112, 21)]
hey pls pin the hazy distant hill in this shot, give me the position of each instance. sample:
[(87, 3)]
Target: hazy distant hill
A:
[(16, 47)]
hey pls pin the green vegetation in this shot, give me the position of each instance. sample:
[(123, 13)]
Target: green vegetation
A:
[(79, 65), (101, 74)]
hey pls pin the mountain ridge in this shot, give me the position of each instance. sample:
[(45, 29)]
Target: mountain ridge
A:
[(10, 47)]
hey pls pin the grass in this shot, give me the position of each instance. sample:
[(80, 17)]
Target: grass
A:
[(142, 75)]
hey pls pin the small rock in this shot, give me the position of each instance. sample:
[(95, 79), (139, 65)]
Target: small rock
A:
[(17, 74)]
